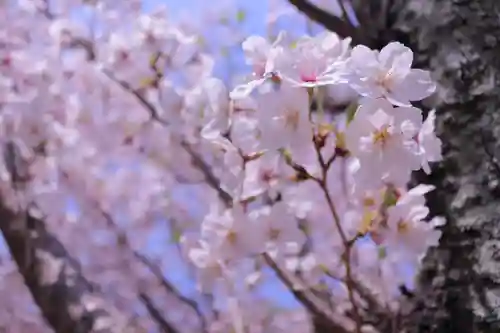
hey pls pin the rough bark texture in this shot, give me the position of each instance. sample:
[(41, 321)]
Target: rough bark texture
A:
[(459, 41), (68, 302)]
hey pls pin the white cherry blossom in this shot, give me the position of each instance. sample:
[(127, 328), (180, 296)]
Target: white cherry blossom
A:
[(121, 113), (318, 61), (283, 118), (382, 138), (282, 231), (227, 233), (429, 143), (407, 232), (388, 74), (264, 174)]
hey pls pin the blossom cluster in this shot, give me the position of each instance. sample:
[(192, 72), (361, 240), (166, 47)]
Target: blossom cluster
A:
[(322, 193), (301, 169)]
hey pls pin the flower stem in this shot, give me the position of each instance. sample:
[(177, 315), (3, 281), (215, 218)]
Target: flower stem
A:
[(346, 257)]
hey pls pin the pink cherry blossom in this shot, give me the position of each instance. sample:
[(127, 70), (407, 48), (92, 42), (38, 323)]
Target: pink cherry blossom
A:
[(429, 143), (381, 137), (388, 73), (140, 166)]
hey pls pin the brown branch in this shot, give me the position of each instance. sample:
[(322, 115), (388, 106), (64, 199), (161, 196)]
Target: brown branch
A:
[(210, 177), (154, 313), (67, 300), (171, 288), (195, 157), (144, 102), (165, 326), (322, 321), (346, 256), (329, 21), (38, 253)]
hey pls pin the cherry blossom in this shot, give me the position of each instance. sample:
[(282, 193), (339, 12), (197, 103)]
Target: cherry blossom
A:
[(429, 143), (388, 73), (282, 230), (283, 118), (318, 60), (298, 174), (381, 137)]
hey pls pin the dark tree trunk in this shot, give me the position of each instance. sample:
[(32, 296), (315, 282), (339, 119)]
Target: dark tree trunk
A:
[(459, 41), (68, 302)]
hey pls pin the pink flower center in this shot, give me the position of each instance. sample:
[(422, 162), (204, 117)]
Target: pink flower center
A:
[(6, 61), (309, 78)]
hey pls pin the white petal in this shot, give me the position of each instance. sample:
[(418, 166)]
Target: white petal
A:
[(362, 57), (244, 90), (417, 85), (396, 56)]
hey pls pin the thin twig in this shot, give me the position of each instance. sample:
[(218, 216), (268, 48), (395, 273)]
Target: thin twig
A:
[(347, 245), (195, 157), (227, 199), (332, 159), (171, 288), (345, 15), (365, 292), (123, 242), (144, 102), (210, 177), (165, 326), (309, 301), (330, 21)]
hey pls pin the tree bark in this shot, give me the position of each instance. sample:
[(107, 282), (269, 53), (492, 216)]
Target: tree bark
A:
[(68, 302), (459, 41), (458, 287)]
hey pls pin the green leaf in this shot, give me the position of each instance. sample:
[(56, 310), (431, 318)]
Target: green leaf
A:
[(390, 197), (153, 59), (287, 155), (324, 268), (322, 286), (340, 140), (248, 200), (146, 82), (382, 252), (241, 15), (351, 111), (176, 235)]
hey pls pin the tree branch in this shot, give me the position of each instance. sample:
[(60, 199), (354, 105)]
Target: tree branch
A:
[(322, 320), (195, 157), (67, 300), (171, 288), (331, 22), (154, 313), (165, 326)]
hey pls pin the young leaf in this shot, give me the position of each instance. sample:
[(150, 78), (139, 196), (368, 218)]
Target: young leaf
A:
[(241, 15), (351, 111)]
